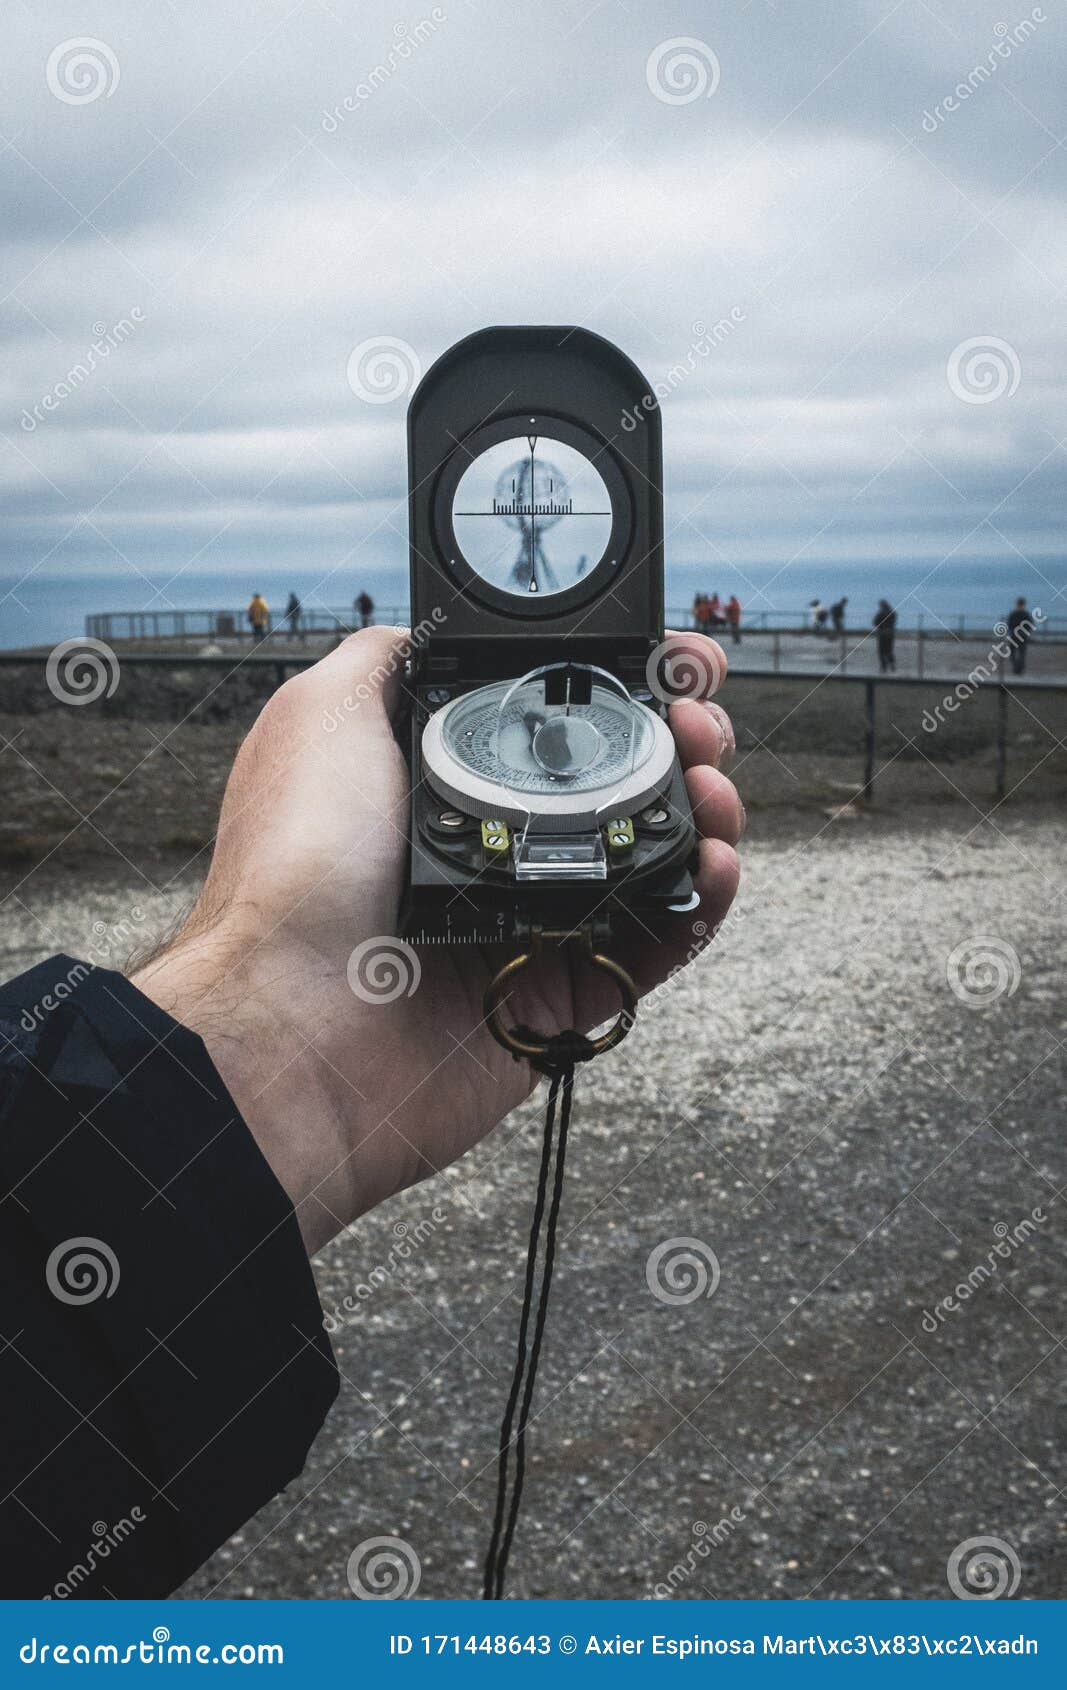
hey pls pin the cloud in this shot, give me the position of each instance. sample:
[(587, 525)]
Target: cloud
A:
[(262, 227)]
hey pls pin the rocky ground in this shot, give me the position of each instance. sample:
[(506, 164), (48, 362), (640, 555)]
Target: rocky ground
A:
[(851, 1106)]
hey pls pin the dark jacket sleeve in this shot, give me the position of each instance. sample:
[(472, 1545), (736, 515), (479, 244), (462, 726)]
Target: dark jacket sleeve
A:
[(163, 1366)]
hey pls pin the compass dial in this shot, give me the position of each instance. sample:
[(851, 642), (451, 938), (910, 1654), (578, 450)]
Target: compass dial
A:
[(532, 515), (501, 751)]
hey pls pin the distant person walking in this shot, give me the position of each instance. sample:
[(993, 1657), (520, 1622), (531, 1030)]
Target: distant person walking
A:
[(292, 616), (715, 615), (885, 627), (701, 612), (837, 615), (1020, 628), (258, 614), (818, 613), (364, 608), (733, 617)]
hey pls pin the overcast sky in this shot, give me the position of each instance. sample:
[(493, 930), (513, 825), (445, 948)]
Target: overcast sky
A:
[(233, 196)]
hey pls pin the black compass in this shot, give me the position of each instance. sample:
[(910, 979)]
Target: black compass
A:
[(546, 791)]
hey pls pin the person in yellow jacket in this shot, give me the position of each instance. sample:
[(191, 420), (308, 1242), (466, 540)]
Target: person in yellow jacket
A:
[(258, 616)]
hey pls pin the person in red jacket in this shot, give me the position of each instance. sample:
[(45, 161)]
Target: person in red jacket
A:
[(733, 617)]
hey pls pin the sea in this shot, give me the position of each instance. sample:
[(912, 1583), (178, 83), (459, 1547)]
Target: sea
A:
[(39, 610)]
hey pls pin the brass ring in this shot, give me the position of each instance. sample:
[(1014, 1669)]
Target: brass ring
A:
[(537, 1046)]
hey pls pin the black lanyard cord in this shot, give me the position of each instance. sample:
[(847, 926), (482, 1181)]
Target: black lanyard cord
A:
[(524, 1378), (557, 1056)]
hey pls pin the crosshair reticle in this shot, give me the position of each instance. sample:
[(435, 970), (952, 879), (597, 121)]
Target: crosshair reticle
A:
[(551, 496)]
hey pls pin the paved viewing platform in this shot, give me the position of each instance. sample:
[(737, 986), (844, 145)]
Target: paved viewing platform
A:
[(774, 642)]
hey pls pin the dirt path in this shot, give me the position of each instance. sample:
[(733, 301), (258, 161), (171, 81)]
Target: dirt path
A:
[(816, 1105)]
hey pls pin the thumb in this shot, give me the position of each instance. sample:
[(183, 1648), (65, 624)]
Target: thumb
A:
[(367, 669)]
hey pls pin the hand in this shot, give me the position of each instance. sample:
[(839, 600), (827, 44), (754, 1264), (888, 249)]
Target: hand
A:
[(352, 1100)]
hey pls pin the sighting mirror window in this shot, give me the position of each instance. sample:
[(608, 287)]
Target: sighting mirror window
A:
[(532, 515)]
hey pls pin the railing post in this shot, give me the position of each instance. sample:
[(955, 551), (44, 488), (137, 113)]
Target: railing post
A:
[(777, 650), (921, 663), (871, 716), (844, 653), (1002, 739)]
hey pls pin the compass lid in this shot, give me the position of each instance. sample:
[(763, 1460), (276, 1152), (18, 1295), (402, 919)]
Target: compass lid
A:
[(535, 506)]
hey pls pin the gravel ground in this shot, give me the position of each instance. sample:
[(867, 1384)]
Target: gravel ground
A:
[(816, 1105)]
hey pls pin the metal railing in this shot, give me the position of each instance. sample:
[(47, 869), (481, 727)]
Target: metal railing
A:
[(1003, 686), (933, 627), (213, 624)]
